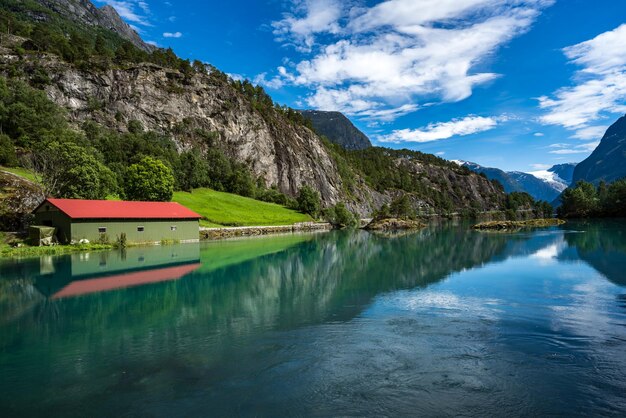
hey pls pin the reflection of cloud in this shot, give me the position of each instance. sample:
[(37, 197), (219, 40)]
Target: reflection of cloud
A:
[(587, 314), (549, 254), (446, 303)]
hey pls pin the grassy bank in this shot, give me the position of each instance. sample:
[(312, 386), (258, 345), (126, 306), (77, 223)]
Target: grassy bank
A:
[(226, 209), (28, 251), (22, 172)]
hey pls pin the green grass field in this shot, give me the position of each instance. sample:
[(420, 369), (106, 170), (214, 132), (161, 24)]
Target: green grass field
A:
[(225, 209), (218, 208), (22, 172)]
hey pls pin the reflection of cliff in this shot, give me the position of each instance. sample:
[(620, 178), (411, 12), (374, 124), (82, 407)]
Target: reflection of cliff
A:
[(225, 303), (603, 246), (333, 274)]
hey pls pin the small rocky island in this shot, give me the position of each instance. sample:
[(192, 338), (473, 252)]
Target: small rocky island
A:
[(394, 224), (514, 225)]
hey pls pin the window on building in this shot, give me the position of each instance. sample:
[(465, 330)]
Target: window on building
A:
[(102, 230), (173, 228), (140, 229)]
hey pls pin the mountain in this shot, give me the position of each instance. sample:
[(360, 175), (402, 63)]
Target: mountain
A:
[(185, 107), (85, 13), (510, 185), (542, 185), (608, 161), (338, 128)]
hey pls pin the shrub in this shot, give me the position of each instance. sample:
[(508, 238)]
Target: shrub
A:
[(309, 201), (149, 180)]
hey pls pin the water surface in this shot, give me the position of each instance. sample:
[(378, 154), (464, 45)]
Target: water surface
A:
[(446, 321)]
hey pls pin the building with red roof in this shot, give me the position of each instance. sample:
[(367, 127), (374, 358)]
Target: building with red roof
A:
[(107, 220)]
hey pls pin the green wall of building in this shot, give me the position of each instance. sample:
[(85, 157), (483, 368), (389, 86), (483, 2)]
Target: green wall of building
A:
[(154, 230)]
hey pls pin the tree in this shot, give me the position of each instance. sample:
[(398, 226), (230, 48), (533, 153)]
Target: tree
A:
[(401, 207), (194, 171), (7, 152), (69, 170), (149, 180), (340, 216), (309, 201), (579, 202), (241, 182)]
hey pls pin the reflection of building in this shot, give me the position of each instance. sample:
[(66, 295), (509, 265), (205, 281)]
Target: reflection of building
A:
[(96, 220), (85, 273)]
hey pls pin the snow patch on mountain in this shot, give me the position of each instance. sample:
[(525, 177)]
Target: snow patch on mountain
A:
[(551, 178)]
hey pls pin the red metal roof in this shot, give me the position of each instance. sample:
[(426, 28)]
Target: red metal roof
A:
[(111, 209)]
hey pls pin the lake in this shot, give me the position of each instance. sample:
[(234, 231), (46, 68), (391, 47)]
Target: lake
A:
[(445, 321)]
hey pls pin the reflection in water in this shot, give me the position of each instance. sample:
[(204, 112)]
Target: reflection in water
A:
[(324, 324)]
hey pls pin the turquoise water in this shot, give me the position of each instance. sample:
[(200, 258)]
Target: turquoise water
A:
[(442, 322)]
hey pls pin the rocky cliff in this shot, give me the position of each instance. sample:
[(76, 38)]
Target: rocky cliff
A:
[(284, 154), (337, 128), (608, 161)]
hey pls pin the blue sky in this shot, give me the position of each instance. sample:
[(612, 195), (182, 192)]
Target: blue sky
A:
[(515, 84)]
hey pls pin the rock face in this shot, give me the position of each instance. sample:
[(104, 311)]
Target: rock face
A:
[(284, 154), (18, 198), (84, 12), (338, 128), (608, 161)]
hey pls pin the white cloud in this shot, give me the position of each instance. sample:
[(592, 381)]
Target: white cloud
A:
[(599, 89), (565, 149), (134, 11), (539, 134), (540, 166), (388, 59), (442, 130), (273, 83), (591, 132), (172, 35), (310, 17)]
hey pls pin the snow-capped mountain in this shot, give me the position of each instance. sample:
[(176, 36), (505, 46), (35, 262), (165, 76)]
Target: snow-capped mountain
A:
[(542, 185)]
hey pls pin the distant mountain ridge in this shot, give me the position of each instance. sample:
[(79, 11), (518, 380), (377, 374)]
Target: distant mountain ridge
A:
[(542, 185), (608, 161), (338, 128), (84, 12)]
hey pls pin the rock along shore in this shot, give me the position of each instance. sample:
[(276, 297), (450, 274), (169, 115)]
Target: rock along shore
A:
[(249, 231)]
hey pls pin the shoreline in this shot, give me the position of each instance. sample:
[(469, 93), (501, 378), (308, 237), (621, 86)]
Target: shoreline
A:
[(209, 234)]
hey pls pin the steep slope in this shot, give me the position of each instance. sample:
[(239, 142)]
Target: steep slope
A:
[(286, 155), (85, 13), (338, 128), (608, 161)]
